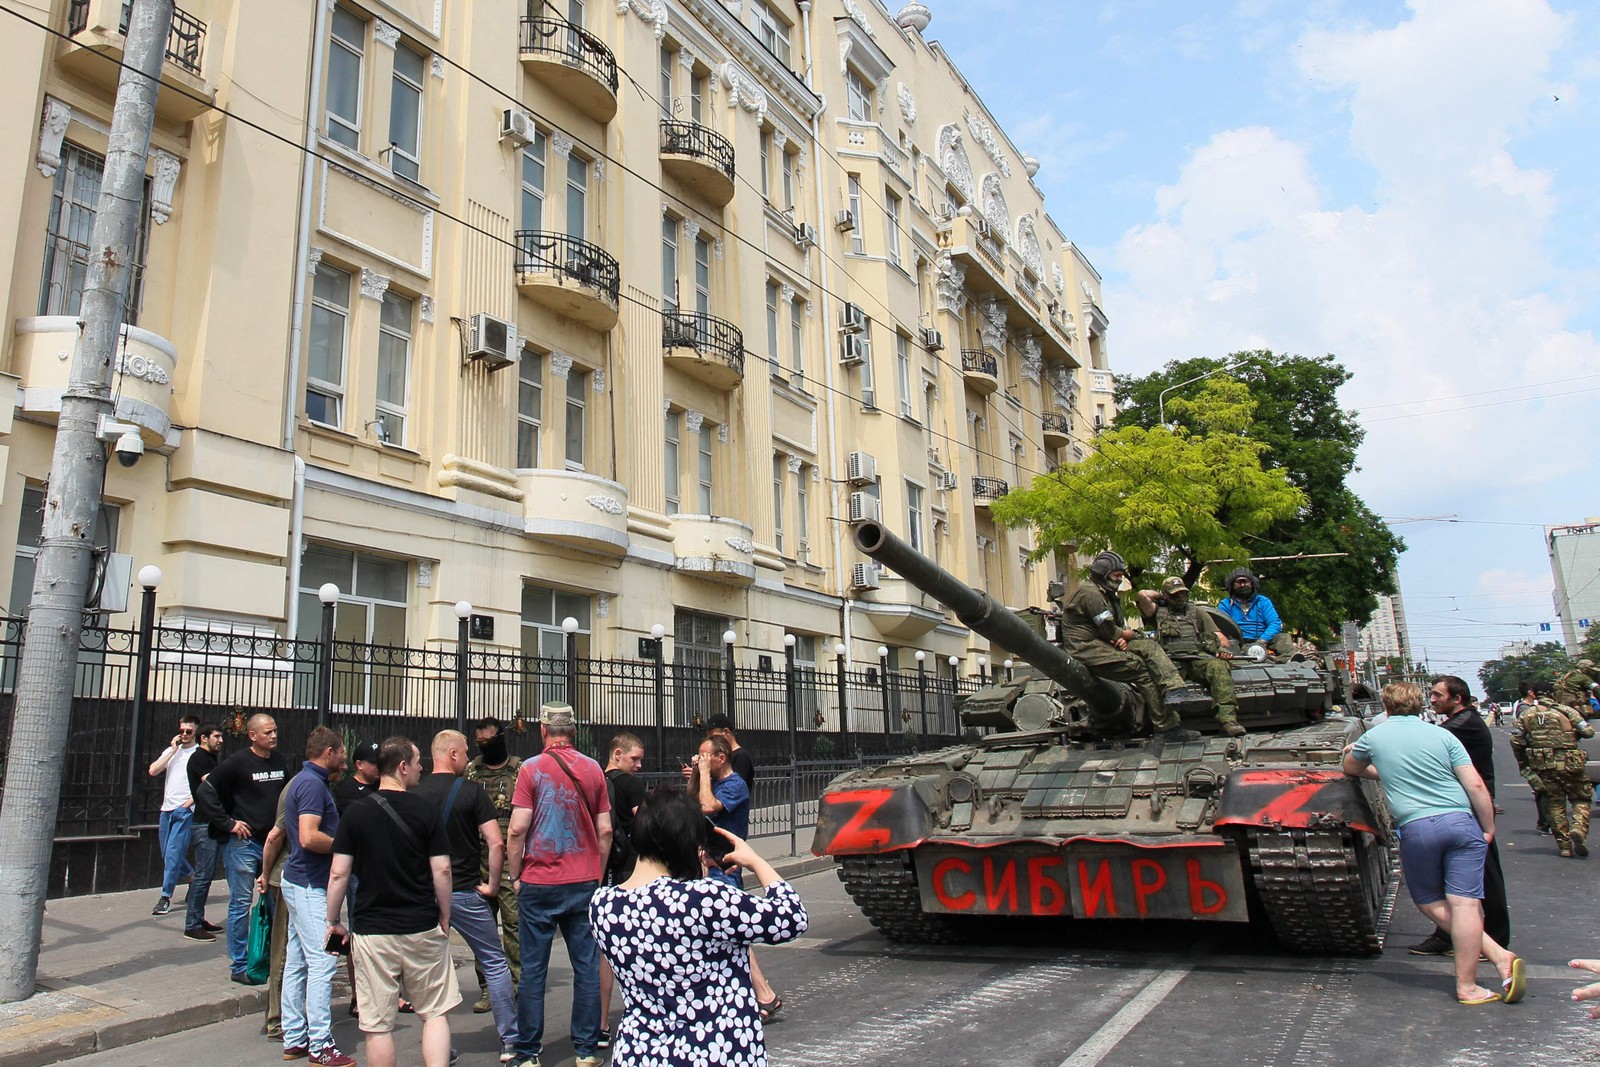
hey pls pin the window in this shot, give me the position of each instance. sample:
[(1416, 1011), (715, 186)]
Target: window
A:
[(73, 202), (869, 385), (702, 275), (577, 196), (673, 471), (786, 162), (891, 212), (707, 435), (1016, 460), (902, 372), (29, 531), (697, 93), (668, 61), (345, 60), (770, 29), (405, 114), (772, 323), (797, 348), (858, 96), (778, 463), (394, 367), (669, 262), (927, 411), (577, 385), (543, 611), (530, 407), (914, 516), (533, 180), (766, 163), (330, 326), (857, 238), (941, 526), (371, 610), (802, 502)]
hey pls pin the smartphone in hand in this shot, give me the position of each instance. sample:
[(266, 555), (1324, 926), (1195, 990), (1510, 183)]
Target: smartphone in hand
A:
[(338, 943)]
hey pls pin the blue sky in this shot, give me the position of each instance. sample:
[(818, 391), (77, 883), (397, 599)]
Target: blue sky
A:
[(1413, 187)]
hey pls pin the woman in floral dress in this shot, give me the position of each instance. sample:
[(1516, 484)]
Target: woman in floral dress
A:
[(679, 943)]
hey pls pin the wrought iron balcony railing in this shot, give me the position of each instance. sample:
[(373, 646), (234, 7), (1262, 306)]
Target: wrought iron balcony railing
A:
[(1055, 422), (708, 335), (989, 488), (568, 257), (185, 44), (693, 139), (558, 37), (978, 361)]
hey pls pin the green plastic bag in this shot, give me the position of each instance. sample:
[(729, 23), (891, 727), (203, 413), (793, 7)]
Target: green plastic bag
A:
[(258, 955)]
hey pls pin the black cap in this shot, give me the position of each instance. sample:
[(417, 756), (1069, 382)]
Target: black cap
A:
[(719, 721), (367, 752)]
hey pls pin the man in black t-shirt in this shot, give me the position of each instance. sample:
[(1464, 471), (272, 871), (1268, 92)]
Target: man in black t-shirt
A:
[(469, 815), (627, 793), (361, 779), (246, 787), (395, 843), (206, 844), (745, 767)]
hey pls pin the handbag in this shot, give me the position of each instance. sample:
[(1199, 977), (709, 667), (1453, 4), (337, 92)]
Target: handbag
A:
[(258, 955)]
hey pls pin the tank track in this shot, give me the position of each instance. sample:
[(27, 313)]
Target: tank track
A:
[(885, 889), (1325, 892)]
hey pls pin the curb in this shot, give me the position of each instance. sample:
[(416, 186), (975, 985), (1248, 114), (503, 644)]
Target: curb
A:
[(800, 866), (87, 1039)]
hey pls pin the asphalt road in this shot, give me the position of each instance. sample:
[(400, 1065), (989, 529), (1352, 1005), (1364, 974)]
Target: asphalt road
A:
[(1081, 994)]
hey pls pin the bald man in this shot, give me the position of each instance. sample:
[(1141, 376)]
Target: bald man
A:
[(247, 785)]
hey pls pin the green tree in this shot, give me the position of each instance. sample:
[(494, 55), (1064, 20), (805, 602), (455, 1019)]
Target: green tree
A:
[(1542, 664), (1171, 498), (1313, 441)]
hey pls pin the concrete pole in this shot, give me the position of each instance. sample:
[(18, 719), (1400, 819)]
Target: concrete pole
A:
[(72, 502)]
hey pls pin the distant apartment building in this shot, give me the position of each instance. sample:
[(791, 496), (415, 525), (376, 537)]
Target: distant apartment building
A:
[(1575, 568), (1385, 634)]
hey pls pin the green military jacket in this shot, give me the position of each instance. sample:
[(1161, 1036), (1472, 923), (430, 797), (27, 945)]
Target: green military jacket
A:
[(1090, 616), (1572, 689), (1546, 739), (499, 782), (1188, 632)]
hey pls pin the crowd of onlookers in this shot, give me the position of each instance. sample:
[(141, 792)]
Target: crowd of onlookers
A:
[(375, 854)]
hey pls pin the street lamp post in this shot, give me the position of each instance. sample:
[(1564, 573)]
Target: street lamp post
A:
[(328, 593), (658, 634), (791, 712), (983, 670), (1161, 397), (955, 686), (149, 578), (1007, 665), (883, 687), (844, 710), (569, 626), (463, 647), (922, 690), (728, 638)]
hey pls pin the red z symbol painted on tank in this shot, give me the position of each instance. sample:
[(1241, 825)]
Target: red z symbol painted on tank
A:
[(854, 836)]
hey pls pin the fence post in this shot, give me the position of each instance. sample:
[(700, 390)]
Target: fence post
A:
[(149, 579), (728, 638), (658, 637), (883, 689), (794, 806), (922, 690), (844, 700), (790, 702), (463, 640), (329, 595)]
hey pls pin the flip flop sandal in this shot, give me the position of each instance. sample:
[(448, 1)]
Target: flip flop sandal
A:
[(1515, 988), (1492, 998), (770, 1009)]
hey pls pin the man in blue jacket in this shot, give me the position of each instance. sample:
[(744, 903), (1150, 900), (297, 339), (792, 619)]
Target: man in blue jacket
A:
[(1257, 618)]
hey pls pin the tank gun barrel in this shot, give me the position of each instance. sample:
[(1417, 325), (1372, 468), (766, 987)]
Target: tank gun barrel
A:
[(978, 611)]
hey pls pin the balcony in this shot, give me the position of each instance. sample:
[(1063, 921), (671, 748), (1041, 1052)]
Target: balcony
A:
[(1057, 430), (572, 62), (146, 364), (986, 491), (972, 242), (569, 276), (980, 370), (704, 347), (707, 546), (700, 158), (575, 510), (97, 29)]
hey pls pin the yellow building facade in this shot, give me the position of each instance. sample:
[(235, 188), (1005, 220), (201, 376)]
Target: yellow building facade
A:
[(616, 310)]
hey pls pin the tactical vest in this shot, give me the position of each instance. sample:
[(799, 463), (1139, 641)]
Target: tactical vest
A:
[(1179, 632)]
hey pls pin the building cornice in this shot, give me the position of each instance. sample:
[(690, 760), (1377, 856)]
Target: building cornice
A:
[(742, 45)]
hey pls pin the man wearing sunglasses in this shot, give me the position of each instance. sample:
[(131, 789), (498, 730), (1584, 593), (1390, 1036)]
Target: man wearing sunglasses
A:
[(177, 810)]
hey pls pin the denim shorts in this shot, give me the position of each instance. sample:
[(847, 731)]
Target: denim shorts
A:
[(1443, 855)]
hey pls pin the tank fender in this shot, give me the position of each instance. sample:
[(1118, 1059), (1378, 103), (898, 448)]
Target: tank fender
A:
[(867, 817), (1297, 798)]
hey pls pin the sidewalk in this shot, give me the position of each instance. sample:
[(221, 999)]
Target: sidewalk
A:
[(110, 974)]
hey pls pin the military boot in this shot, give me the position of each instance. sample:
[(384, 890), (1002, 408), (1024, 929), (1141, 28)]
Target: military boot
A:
[(1578, 835), (1232, 728)]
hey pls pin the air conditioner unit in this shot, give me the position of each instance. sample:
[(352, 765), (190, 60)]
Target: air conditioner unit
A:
[(864, 576), (864, 507), (845, 220), (949, 480), (489, 341), (945, 211), (805, 234), (861, 468), (980, 225), (932, 340), (517, 127), (854, 349), (852, 319)]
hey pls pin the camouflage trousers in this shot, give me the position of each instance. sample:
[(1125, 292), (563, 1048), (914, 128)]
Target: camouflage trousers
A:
[(1560, 789), (1217, 678), (1144, 665), (504, 907)]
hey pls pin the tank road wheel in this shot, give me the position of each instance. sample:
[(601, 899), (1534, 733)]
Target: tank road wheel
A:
[(1323, 891), (885, 889)]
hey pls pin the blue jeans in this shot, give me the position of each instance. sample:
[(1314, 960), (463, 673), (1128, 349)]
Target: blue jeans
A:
[(242, 858), (205, 869), (471, 918), (174, 838), (307, 970), (541, 911)]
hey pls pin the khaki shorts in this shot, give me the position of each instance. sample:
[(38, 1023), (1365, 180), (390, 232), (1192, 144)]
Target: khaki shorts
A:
[(420, 962)]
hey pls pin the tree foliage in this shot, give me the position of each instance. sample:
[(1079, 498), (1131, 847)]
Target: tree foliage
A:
[(1500, 676), (1308, 437), (1169, 498)]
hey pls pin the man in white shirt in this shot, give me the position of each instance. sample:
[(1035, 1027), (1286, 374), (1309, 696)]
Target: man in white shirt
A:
[(177, 810)]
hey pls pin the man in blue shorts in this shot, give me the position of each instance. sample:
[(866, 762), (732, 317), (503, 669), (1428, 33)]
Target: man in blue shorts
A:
[(1445, 820)]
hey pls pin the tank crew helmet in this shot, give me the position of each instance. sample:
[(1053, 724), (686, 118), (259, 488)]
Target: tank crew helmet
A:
[(1174, 587), (1103, 566)]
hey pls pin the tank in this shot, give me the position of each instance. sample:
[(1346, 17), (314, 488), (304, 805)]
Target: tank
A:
[(1069, 809)]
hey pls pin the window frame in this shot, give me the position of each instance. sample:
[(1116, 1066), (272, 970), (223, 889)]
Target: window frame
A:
[(671, 262), (536, 152), (577, 402), (333, 391), (672, 461), (858, 94), (702, 273), (705, 473), (774, 298), (891, 217), (530, 417), (902, 357), (797, 343), (766, 21), (350, 129), (578, 192), (417, 86), (916, 509), (858, 240), (779, 462), (382, 407), (66, 257)]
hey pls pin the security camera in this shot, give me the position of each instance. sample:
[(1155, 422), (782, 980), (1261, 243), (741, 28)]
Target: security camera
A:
[(129, 447)]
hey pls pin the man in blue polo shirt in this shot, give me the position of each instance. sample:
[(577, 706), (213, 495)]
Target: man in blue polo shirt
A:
[(1444, 817), (310, 819)]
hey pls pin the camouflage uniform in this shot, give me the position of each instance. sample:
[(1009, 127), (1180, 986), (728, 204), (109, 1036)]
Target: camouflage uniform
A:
[(1572, 688), (1088, 615), (1189, 636), (1545, 742), (500, 782)]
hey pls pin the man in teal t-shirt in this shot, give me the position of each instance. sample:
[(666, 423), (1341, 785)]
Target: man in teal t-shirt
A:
[(1445, 820)]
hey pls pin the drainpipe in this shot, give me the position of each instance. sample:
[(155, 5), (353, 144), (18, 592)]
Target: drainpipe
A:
[(831, 397), (297, 520)]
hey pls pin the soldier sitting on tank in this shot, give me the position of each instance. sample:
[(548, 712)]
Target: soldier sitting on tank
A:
[(1190, 638), (1093, 629), (1256, 615)]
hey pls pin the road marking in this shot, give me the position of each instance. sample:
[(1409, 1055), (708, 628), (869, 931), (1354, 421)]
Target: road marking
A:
[(1131, 1014)]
